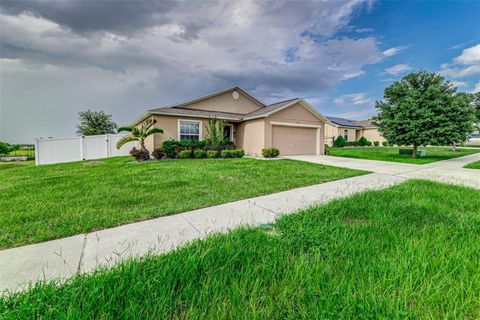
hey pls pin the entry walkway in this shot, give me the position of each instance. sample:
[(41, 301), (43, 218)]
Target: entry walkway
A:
[(63, 258)]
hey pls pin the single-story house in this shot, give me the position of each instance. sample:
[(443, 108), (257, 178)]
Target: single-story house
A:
[(351, 130), (293, 126)]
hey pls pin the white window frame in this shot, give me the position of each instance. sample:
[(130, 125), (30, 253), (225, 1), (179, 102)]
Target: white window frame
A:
[(231, 131), (200, 135)]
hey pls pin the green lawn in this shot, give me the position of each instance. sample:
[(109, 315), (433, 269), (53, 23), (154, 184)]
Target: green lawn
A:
[(473, 165), (391, 154), (24, 152), (54, 201), (15, 164), (408, 252)]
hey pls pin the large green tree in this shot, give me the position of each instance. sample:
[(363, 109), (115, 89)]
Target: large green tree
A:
[(424, 109), (95, 122), (476, 105)]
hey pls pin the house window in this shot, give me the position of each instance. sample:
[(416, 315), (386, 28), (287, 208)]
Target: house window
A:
[(345, 134), (189, 130)]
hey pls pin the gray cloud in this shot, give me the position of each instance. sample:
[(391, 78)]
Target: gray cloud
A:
[(126, 57), (123, 17)]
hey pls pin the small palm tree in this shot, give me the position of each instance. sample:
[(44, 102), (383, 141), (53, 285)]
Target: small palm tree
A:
[(138, 133)]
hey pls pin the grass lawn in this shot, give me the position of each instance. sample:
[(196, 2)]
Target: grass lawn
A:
[(411, 251), (473, 165), (24, 152), (54, 201), (15, 164), (391, 154)]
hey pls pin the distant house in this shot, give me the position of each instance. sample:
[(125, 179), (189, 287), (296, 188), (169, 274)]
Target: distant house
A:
[(293, 126), (351, 130)]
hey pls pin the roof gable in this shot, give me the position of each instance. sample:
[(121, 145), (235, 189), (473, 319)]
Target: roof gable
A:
[(276, 107), (219, 104), (230, 100)]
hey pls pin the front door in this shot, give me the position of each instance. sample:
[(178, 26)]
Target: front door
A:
[(227, 132)]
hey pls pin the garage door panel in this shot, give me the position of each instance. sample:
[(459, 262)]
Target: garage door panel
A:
[(294, 140)]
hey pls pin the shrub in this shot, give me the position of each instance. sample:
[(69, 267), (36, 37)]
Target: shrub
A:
[(158, 153), (270, 152), (376, 143), (237, 153), (369, 143), (363, 141), (140, 154), (185, 154), (212, 154), (226, 145), (199, 153), (215, 132), (384, 143), (391, 144), (339, 142), (170, 148), (173, 147), (225, 154)]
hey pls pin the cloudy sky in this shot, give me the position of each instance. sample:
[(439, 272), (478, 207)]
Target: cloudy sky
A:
[(124, 57)]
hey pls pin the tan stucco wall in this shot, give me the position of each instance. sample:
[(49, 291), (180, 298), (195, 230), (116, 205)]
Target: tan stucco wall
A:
[(352, 135), (332, 131), (226, 103), (372, 135), (169, 124), (296, 114), (251, 136)]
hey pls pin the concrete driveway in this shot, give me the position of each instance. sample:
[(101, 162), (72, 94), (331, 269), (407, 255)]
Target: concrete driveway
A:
[(448, 171)]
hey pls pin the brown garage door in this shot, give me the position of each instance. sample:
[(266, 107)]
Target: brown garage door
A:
[(294, 140)]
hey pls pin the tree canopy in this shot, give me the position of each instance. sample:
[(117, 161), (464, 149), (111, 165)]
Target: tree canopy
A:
[(424, 109), (476, 105), (95, 122), (6, 148)]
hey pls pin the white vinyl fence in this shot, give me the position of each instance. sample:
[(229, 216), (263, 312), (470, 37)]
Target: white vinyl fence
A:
[(79, 148)]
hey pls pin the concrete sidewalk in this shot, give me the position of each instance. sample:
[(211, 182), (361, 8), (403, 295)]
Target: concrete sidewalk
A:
[(63, 258)]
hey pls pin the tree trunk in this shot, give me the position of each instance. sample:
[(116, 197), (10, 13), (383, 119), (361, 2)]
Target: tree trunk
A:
[(414, 153), (142, 144), (454, 147)]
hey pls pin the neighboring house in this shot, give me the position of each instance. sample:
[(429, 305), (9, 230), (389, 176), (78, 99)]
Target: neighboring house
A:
[(351, 130), (293, 126)]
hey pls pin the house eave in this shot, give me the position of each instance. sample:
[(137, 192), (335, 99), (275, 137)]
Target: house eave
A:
[(147, 114)]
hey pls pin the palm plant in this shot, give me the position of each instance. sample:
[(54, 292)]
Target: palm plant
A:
[(138, 133)]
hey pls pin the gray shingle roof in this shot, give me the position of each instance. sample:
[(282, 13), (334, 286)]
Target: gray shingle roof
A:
[(365, 123)]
